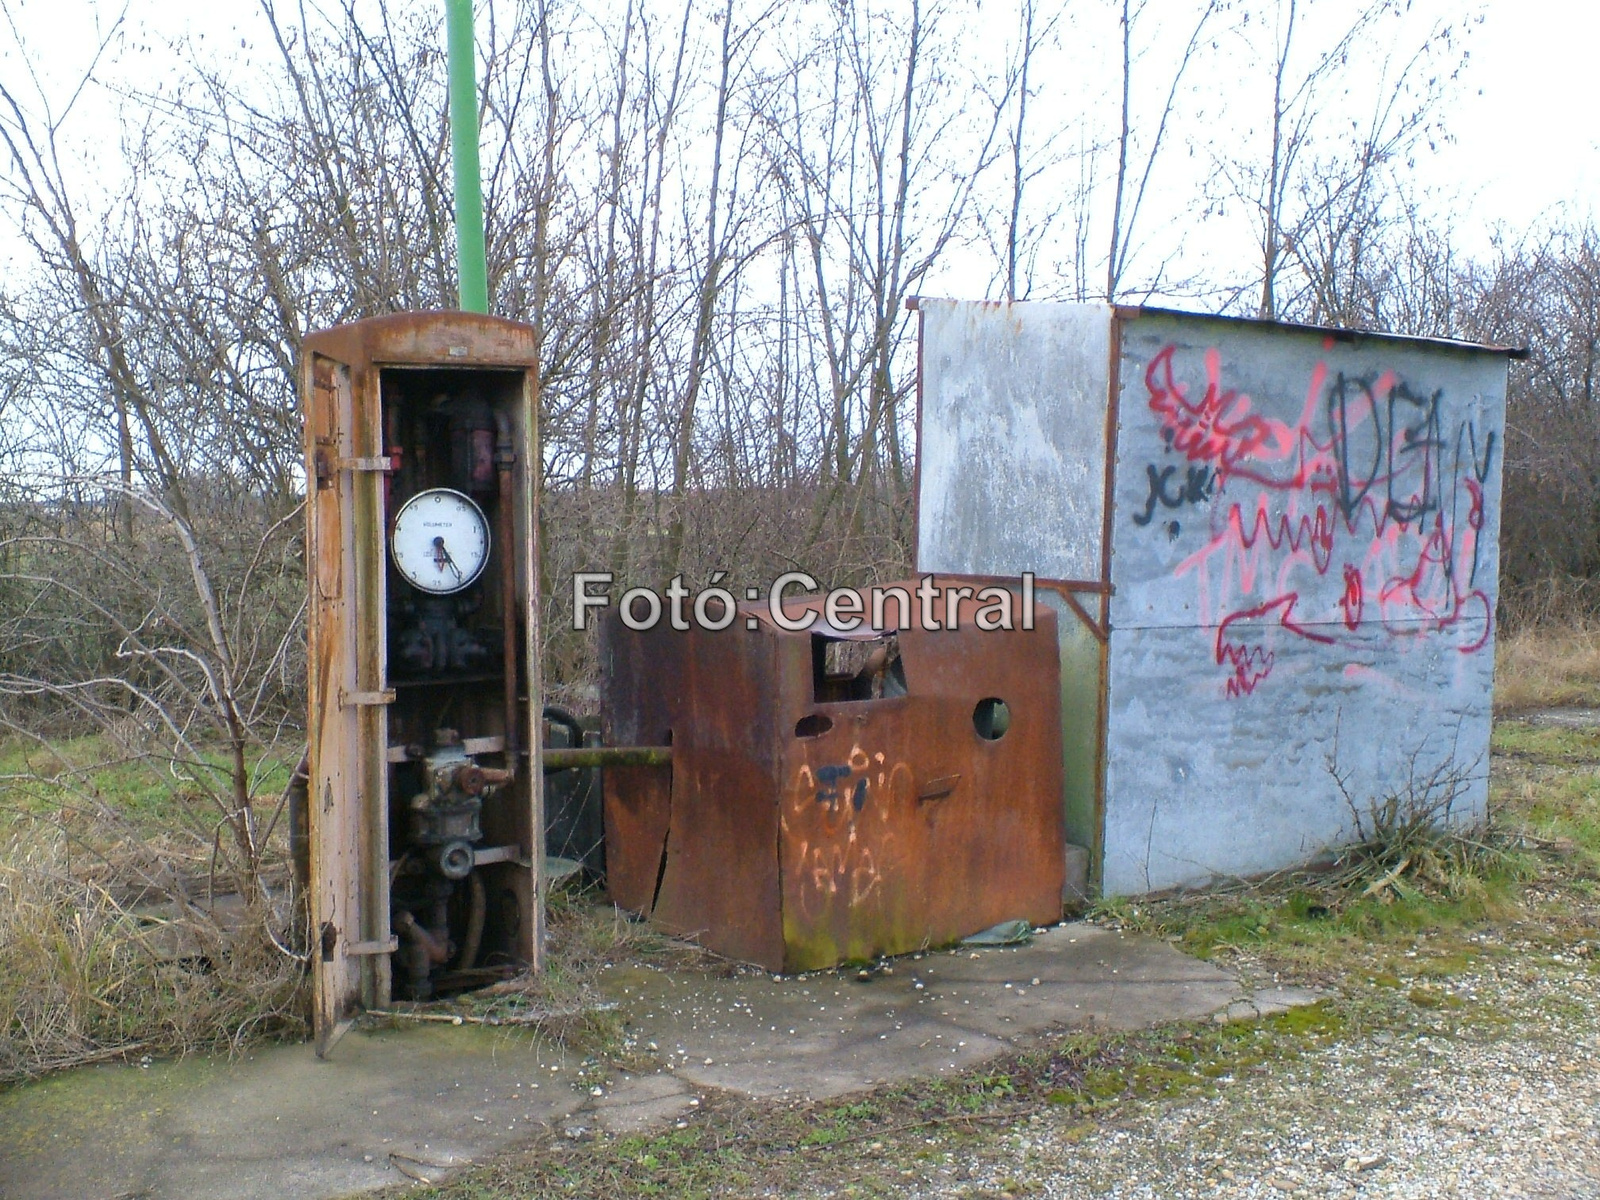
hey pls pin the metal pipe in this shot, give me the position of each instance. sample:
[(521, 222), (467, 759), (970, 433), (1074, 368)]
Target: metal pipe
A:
[(607, 756), (297, 797), (471, 262), (420, 951), (505, 458), (476, 907)]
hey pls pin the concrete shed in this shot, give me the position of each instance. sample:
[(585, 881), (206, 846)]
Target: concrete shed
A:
[(1274, 549)]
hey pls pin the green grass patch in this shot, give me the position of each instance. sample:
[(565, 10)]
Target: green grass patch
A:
[(1313, 928), (1546, 743), (1545, 786), (85, 775)]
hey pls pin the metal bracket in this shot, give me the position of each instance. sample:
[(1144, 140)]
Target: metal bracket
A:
[(383, 946), (497, 854), (494, 744), (328, 463), (365, 699)]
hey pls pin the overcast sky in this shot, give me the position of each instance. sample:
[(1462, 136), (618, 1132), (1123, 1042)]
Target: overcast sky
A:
[(1525, 121)]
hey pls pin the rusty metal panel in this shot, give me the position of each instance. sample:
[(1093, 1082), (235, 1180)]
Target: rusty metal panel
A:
[(638, 695), (720, 873), (333, 727), (802, 829), (903, 826), (1011, 451), (694, 845), (517, 343), (1305, 561)]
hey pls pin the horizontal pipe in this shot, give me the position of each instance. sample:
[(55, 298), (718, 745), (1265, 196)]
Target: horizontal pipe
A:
[(607, 756)]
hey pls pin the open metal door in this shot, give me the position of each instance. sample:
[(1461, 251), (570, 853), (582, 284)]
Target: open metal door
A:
[(347, 721)]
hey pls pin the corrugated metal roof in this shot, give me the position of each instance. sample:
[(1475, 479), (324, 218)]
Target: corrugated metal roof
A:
[(1339, 334), (1133, 311)]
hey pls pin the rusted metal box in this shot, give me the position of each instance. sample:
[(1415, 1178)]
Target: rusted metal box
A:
[(834, 795), (424, 790)]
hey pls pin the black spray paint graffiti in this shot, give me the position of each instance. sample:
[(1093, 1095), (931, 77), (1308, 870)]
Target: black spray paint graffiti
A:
[(1378, 483), (1421, 473), (828, 786), (1196, 488)]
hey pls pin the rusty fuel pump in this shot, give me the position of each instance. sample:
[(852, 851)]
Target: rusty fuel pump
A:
[(423, 831)]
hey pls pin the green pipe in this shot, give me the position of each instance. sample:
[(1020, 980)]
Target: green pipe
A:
[(607, 756), (471, 262)]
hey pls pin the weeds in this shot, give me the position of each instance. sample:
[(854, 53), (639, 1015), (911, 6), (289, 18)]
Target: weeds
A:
[(84, 978), (1416, 841)]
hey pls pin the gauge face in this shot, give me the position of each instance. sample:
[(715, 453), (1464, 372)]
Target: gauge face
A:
[(440, 541)]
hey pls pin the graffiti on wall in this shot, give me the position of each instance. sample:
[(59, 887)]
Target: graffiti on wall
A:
[(1357, 519)]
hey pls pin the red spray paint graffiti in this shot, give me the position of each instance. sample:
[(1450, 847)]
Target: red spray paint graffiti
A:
[(1366, 478)]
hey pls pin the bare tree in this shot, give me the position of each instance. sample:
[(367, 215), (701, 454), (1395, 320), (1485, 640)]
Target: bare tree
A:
[(1312, 174), (1125, 209)]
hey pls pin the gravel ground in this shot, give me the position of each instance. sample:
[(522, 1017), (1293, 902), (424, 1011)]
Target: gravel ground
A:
[(1500, 1097)]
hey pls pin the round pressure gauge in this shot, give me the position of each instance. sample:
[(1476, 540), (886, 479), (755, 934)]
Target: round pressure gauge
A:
[(440, 541)]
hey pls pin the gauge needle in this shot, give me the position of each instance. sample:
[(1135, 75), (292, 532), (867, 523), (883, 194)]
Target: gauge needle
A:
[(442, 559)]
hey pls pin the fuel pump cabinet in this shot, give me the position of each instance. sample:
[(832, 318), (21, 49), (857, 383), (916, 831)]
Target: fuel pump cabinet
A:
[(425, 793)]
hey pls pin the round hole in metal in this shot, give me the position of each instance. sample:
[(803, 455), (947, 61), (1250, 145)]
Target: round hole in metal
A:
[(813, 726), (991, 718)]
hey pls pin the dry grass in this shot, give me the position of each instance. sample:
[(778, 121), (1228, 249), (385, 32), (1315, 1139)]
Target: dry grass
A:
[(1548, 666), (83, 978)]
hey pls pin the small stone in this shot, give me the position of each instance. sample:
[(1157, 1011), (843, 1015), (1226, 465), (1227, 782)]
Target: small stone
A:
[(1034, 982)]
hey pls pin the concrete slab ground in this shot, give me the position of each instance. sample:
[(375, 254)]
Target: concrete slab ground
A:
[(391, 1104)]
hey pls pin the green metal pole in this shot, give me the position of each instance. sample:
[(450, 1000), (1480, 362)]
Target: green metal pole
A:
[(471, 263)]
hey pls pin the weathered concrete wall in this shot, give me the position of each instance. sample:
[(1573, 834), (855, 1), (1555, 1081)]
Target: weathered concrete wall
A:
[(1304, 561), (1304, 554), (1012, 448)]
